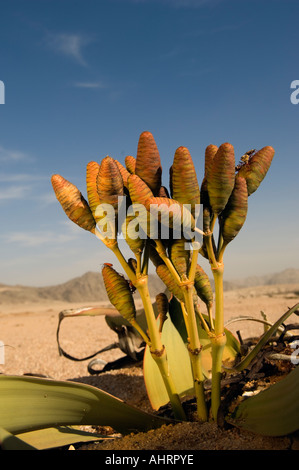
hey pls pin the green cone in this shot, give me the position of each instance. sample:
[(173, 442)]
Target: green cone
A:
[(256, 169), (119, 293), (221, 177), (234, 214), (148, 164)]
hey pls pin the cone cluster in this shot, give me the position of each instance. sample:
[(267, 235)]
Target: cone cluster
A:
[(223, 194)]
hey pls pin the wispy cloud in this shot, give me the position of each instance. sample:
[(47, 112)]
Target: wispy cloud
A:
[(30, 239), (20, 178), (70, 45), (91, 85), (10, 155), (14, 192)]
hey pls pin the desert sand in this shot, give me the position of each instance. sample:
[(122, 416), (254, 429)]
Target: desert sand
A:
[(28, 332)]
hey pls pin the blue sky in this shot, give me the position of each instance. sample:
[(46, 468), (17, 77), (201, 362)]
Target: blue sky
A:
[(83, 79)]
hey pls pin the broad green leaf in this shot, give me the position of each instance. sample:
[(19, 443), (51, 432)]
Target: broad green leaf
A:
[(60, 436), (29, 403), (10, 442), (273, 412), (231, 349), (179, 367)]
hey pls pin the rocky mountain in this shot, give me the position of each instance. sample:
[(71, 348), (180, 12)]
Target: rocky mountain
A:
[(287, 276), (86, 288), (90, 287)]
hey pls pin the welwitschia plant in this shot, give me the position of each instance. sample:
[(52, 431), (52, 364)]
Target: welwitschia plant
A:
[(160, 226)]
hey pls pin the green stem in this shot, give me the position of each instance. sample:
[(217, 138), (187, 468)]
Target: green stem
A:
[(191, 274), (203, 322), (218, 344), (194, 352), (144, 269), (128, 270), (157, 349), (162, 253), (210, 250), (140, 331), (218, 341)]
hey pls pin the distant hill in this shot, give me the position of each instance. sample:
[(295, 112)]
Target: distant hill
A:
[(86, 288), (90, 287), (287, 276)]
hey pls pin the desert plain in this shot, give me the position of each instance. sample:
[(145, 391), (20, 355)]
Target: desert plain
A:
[(28, 333)]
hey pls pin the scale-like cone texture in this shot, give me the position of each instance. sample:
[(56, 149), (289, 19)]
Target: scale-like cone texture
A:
[(180, 256), (92, 171), (129, 229), (130, 162), (119, 293), (124, 173), (109, 182), (162, 304), (163, 192), (154, 256), (139, 194), (210, 153), (203, 287), (171, 212), (170, 182), (234, 214), (148, 164), (73, 203), (221, 177), (185, 188), (166, 276), (139, 190), (256, 169), (133, 264)]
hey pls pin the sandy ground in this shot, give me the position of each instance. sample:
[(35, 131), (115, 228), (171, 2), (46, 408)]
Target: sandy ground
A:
[(28, 333)]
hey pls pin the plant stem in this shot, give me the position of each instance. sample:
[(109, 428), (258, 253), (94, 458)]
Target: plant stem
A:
[(193, 265), (140, 331), (194, 352), (161, 252), (129, 272), (157, 349), (218, 340)]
